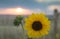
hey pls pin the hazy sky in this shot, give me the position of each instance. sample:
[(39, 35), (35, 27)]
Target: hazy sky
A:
[(29, 6)]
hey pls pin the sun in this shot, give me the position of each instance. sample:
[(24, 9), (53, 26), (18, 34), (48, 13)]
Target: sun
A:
[(19, 10)]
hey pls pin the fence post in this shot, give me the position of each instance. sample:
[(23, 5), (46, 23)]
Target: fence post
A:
[(55, 22)]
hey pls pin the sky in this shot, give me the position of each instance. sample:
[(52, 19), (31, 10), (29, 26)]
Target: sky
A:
[(28, 7)]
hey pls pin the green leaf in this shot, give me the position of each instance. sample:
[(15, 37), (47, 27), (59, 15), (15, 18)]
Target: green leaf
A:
[(18, 20)]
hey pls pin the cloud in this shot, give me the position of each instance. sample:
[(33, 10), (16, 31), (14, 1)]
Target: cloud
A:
[(37, 10), (46, 0), (13, 11), (52, 7)]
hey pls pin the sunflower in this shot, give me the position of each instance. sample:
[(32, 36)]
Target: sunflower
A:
[(37, 25)]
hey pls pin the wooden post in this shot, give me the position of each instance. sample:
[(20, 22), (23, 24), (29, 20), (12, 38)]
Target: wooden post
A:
[(55, 22)]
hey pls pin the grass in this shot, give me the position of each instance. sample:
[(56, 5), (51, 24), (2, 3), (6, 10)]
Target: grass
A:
[(13, 32)]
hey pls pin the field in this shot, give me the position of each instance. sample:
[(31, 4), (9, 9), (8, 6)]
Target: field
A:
[(8, 31), (13, 32)]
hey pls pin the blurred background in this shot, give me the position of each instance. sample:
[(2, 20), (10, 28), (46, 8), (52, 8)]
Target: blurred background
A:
[(10, 9)]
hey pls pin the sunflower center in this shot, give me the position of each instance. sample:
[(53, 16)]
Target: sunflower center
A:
[(36, 26)]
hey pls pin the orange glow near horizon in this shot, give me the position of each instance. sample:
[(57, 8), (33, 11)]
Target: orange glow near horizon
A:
[(15, 11)]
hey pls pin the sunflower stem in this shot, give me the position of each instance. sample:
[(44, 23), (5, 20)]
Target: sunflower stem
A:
[(29, 38), (23, 30)]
